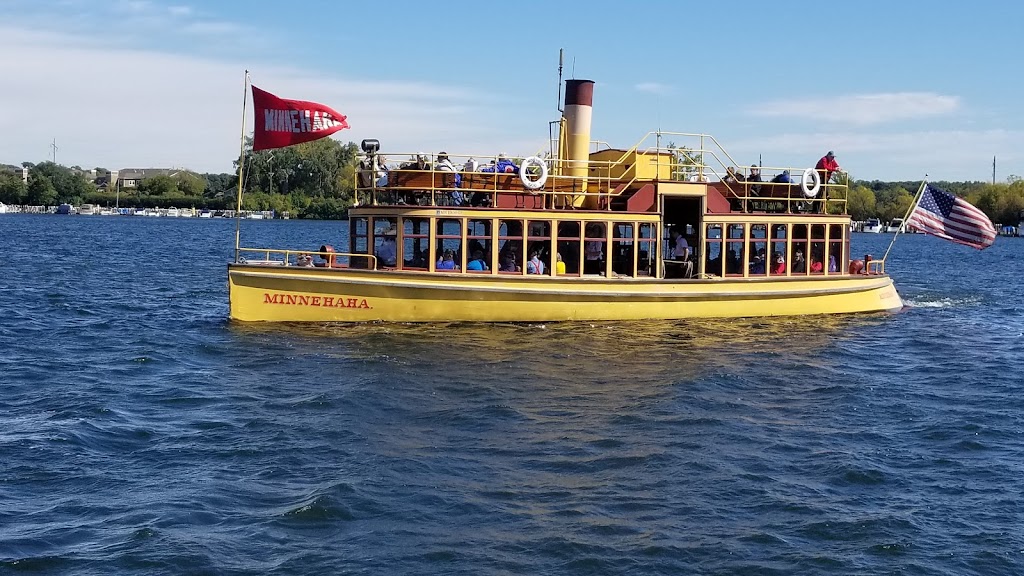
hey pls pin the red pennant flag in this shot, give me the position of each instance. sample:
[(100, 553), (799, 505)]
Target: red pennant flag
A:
[(281, 122)]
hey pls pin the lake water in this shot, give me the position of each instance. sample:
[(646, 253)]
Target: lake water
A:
[(141, 432)]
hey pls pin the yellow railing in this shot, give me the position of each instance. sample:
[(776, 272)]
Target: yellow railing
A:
[(277, 257), (704, 161)]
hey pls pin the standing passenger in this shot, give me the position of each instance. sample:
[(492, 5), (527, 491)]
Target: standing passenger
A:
[(825, 167)]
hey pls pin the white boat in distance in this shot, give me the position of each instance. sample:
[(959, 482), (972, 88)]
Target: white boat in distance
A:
[(872, 225)]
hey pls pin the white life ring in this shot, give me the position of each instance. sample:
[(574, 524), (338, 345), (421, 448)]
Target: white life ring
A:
[(533, 181), (811, 191)]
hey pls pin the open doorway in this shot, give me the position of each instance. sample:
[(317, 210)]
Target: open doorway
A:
[(681, 235)]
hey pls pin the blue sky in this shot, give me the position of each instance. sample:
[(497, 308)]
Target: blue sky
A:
[(896, 91)]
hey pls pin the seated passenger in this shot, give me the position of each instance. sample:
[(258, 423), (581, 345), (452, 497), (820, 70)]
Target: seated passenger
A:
[(477, 263), (779, 264), (593, 251), (559, 265), (418, 163), (755, 176), (364, 172), (387, 252), (380, 171), (757, 265), (816, 266), (732, 176), (783, 178), (303, 259), (511, 249), (534, 265), (504, 165), (832, 266), (799, 264), (447, 261), (508, 263), (456, 198)]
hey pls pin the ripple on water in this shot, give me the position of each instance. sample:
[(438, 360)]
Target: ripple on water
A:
[(142, 432)]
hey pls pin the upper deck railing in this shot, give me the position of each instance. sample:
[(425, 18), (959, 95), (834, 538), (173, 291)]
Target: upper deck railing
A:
[(611, 174)]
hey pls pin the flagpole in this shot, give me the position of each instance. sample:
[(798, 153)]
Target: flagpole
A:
[(241, 163), (917, 198)]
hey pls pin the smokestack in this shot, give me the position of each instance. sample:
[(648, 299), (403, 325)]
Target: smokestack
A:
[(579, 108)]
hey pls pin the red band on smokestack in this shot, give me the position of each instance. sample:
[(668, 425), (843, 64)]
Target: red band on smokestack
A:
[(579, 93)]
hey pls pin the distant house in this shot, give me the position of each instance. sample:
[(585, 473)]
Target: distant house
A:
[(128, 178), (19, 170)]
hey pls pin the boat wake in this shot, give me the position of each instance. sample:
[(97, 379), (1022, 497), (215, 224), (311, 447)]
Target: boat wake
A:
[(926, 302)]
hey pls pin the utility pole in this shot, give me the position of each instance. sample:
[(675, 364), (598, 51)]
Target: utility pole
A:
[(993, 170), (53, 150)]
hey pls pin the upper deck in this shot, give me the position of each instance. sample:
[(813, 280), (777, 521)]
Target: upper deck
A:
[(631, 180)]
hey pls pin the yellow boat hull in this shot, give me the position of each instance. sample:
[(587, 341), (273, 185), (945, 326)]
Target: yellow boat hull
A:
[(293, 294)]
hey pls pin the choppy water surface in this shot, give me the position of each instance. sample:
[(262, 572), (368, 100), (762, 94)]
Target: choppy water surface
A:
[(143, 433)]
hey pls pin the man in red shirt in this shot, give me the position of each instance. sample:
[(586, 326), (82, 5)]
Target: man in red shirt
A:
[(826, 167)]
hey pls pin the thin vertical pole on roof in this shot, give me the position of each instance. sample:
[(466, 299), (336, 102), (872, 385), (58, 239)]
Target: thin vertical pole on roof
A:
[(903, 226), (241, 163), (561, 55)]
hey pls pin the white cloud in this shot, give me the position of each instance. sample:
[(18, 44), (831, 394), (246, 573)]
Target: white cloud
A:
[(652, 88), (863, 109), (179, 10), (134, 6), (119, 107), (212, 28)]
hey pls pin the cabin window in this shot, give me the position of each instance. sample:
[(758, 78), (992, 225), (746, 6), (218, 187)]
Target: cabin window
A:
[(837, 258), (777, 264), (359, 234), (539, 241), (799, 249), (646, 252), (568, 242), (415, 243), (448, 233), (478, 246), (758, 253), (595, 248), (713, 251), (817, 260), (734, 242), (510, 246), (385, 237), (622, 254)]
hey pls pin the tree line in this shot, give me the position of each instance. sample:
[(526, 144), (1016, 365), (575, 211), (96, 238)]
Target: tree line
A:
[(1003, 202), (311, 180), (316, 180)]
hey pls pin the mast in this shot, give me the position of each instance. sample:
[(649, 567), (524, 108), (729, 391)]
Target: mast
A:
[(241, 163)]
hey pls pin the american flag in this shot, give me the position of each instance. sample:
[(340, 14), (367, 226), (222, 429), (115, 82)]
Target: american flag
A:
[(941, 214)]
